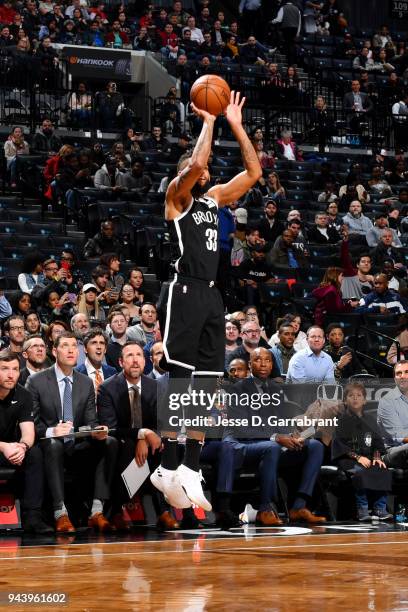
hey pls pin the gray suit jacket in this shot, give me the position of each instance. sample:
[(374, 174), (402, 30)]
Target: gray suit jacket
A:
[(43, 388)]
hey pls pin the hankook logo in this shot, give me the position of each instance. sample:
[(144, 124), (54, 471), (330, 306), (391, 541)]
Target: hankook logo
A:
[(87, 61)]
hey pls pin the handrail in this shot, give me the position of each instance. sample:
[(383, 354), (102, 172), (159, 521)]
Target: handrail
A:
[(377, 333)]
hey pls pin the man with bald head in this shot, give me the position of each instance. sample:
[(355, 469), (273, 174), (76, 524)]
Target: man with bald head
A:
[(259, 442), (237, 370), (382, 300)]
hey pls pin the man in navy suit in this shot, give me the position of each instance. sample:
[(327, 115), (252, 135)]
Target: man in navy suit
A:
[(267, 446), (156, 354), (95, 345), (127, 403)]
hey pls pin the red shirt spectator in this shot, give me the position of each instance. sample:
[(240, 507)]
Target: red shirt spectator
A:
[(7, 13), (168, 38)]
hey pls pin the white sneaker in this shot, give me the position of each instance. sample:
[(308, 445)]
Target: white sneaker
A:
[(164, 480), (190, 481)]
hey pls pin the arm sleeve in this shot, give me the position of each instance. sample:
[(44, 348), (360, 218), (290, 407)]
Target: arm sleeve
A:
[(345, 258), (5, 308), (22, 283), (387, 418)]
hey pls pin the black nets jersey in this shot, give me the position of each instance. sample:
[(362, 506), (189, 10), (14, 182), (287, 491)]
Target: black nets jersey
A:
[(196, 233)]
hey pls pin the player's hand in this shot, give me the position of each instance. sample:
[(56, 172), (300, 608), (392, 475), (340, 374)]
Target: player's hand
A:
[(207, 117), (142, 450), (233, 112)]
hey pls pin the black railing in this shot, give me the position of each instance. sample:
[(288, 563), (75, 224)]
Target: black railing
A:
[(375, 332)]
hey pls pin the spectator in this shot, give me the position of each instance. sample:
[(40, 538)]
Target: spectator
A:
[(110, 108), (14, 336), (117, 38), (286, 148), (31, 272), (378, 184), (5, 309), (357, 223), (386, 250), (156, 356), (270, 227), (112, 262), (45, 140), (328, 296), (107, 177), (80, 105), (311, 364), (145, 331), (168, 42), (137, 180), (14, 146), (284, 350), (361, 460), (265, 158), (283, 255), (355, 103), (118, 324), (103, 242), (346, 361), (251, 337), (392, 418), (136, 279), (49, 71), (232, 337), (88, 304), (20, 302), (321, 233), (252, 52), (375, 233), (272, 187), (321, 123), (35, 355), (335, 220), (128, 298), (196, 33), (253, 273), (400, 119), (382, 300), (156, 142), (33, 323), (290, 19), (237, 369)]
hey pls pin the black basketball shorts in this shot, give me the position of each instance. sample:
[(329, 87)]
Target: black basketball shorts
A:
[(194, 326)]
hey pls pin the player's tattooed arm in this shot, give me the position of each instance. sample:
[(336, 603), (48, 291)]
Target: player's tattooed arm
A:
[(190, 169), (240, 184)]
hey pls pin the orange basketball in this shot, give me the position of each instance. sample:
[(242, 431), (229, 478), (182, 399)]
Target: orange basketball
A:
[(211, 93)]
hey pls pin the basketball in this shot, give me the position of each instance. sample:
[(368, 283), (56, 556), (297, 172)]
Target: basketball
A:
[(211, 93)]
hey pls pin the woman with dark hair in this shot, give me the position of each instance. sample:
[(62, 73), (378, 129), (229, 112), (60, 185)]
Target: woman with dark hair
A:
[(33, 323), (20, 302), (131, 142), (31, 272), (56, 306), (136, 279), (357, 449), (112, 262), (295, 321), (127, 298), (293, 86), (55, 329), (14, 146), (328, 296)]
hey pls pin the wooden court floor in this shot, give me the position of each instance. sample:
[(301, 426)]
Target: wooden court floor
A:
[(317, 572)]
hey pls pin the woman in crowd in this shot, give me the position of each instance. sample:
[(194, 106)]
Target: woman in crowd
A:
[(128, 298), (275, 189), (378, 184), (295, 321), (20, 303), (14, 146), (131, 142), (56, 306), (54, 166), (136, 279), (232, 337), (55, 329), (328, 296), (31, 273), (88, 304), (266, 160), (112, 262), (33, 323), (321, 123), (357, 449)]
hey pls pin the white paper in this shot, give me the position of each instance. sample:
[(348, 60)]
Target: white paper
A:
[(134, 476)]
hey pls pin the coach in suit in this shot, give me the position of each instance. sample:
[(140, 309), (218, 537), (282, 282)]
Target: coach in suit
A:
[(63, 401), (95, 345), (263, 445), (127, 402)]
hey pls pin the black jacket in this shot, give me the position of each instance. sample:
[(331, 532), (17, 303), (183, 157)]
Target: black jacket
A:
[(98, 245), (114, 405), (316, 237)]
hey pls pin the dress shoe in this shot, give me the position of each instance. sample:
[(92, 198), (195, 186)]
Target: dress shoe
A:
[(228, 520), (98, 522), (64, 525), (33, 523), (268, 518), (167, 521), (118, 523), (303, 515), (189, 520)]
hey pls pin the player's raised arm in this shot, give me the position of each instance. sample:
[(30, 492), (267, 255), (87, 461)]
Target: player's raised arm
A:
[(240, 184), (191, 170)]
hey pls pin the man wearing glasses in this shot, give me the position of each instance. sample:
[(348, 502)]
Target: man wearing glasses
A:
[(35, 354), (14, 330), (251, 340)]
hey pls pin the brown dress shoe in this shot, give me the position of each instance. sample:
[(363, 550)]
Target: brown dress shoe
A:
[(64, 525), (305, 516), (167, 521), (119, 524), (99, 523), (268, 518)]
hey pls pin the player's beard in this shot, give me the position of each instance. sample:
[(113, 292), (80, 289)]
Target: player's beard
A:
[(199, 190)]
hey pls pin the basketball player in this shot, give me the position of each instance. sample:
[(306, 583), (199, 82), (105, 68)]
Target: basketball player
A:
[(193, 341)]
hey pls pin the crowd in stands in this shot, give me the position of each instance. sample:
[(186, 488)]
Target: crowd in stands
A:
[(315, 251)]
